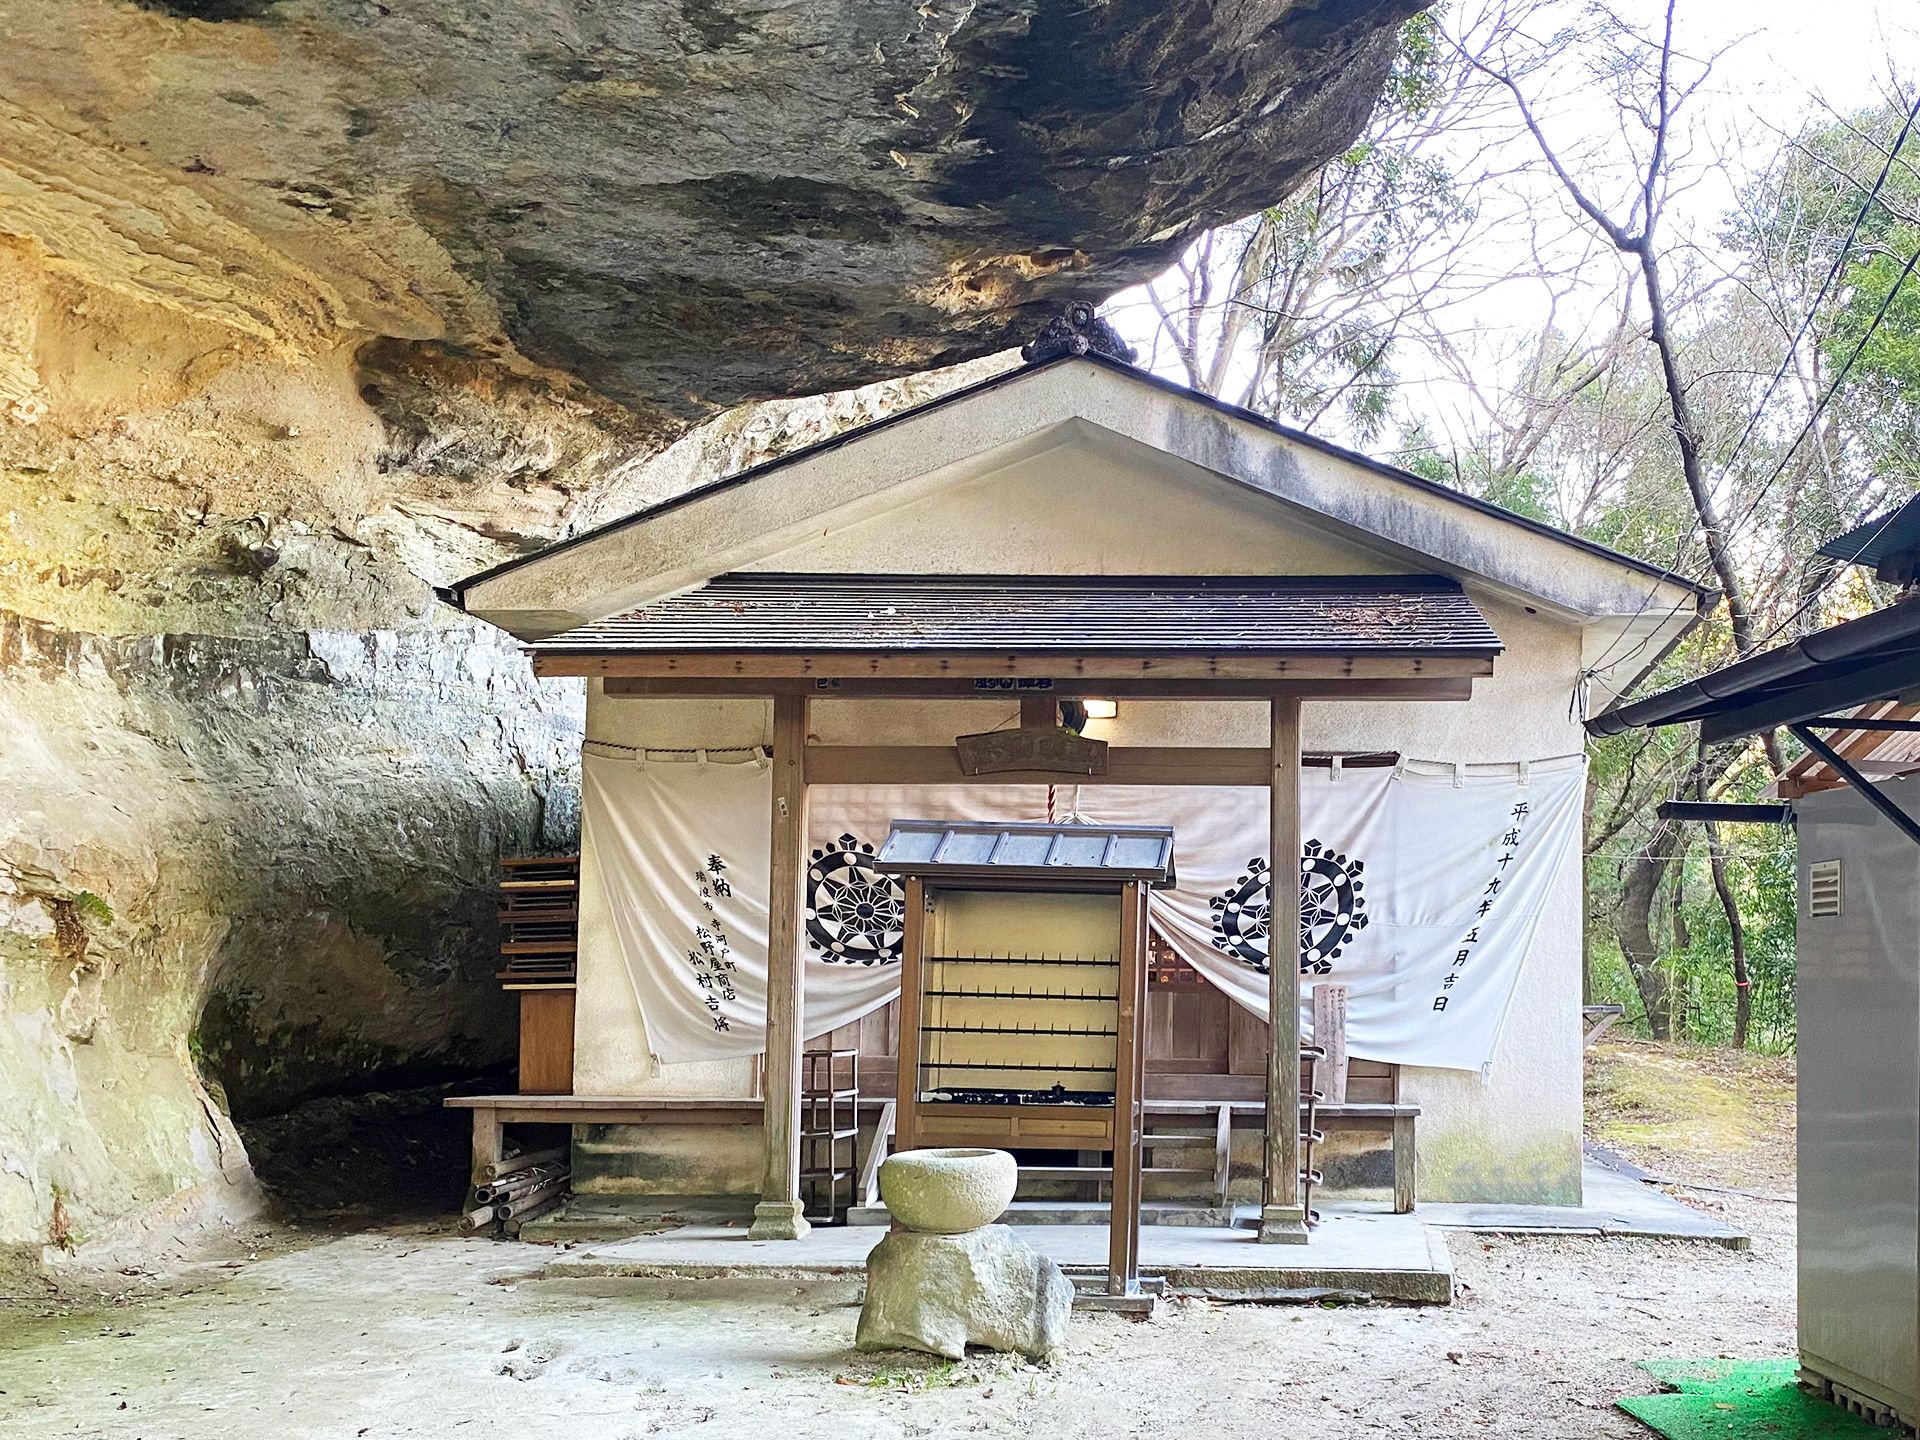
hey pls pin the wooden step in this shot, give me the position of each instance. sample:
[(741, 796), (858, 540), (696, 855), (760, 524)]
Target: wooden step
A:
[(1099, 1172)]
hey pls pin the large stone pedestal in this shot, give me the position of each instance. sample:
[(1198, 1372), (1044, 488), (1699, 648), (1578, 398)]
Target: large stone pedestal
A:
[(942, 1293)]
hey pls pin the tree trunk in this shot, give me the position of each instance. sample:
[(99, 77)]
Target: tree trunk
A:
[(1742, 982), (1638, 946), (1686, 434)]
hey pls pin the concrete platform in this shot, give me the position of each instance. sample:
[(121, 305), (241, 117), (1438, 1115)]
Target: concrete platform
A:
[(1081, 1212), (1616, 1207), (1358, 1249), (1388, 1257)]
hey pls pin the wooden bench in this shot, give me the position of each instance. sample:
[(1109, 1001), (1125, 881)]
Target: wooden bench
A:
[(1393, 1117), (491, 1112)]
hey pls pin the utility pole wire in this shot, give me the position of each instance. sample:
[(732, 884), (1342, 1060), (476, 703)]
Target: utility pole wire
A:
[(1874, 195), (1833, 272), (1635, 237)]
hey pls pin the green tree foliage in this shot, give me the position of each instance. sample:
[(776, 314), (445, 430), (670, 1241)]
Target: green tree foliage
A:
[(1788, 485), (1310, 311), (1581, 441)]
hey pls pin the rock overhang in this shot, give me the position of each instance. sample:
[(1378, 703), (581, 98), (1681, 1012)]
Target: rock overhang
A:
[(684, 204)]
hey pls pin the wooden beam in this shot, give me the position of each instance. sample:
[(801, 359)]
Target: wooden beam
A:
[(1126, 765), (969, 667), (777, 1216), (1283, 1217), (1039, 710), (1809, 773), (697, 687)]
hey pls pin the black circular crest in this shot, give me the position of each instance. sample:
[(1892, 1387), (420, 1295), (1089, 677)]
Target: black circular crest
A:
[(1332, 909), (854, 913), (1240, 917), (1331, 906)]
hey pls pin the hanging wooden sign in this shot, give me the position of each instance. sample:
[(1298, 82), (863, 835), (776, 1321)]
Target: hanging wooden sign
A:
[(1031, 748)]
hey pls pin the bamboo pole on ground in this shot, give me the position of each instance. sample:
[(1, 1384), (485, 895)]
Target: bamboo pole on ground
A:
[(500, 1169)]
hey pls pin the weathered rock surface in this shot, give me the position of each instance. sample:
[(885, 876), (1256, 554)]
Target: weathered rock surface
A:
[(684, 203), (942, 1293), (258, 864), (309, 305)]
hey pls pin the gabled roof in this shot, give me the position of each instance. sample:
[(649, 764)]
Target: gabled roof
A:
[(1409, 615), (749, 519)]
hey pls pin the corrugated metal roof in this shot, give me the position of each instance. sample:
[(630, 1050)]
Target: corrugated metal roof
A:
[(775, 614), (986, 850), (1885, 535)]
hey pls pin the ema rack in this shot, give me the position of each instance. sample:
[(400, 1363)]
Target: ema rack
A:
[(999, 921)]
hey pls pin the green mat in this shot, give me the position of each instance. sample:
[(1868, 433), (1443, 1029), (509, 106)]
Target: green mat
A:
[(1738, 1400)]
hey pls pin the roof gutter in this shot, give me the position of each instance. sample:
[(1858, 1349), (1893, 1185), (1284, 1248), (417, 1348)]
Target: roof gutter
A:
[(1831, 646), (1705, 602)]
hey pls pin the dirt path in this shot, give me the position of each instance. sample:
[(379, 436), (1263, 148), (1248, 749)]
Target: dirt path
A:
[(412, 1331)]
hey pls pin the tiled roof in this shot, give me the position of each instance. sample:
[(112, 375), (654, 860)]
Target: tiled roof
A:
[(1292, 615)]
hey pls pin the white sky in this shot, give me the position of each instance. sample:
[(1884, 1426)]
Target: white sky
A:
[(1786, 57)]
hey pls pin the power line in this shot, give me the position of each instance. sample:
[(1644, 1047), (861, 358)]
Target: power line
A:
[(1886, 303), (1826, 284), (1813, 419)]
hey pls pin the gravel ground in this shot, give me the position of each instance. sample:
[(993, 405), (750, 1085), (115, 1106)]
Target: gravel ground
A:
[(411, 1330)]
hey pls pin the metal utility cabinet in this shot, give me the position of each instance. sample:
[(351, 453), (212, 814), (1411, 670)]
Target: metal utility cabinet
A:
[(1859, 1066), (1022, 994)]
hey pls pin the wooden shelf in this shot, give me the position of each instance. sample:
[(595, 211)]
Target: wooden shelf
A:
[(539, 920)]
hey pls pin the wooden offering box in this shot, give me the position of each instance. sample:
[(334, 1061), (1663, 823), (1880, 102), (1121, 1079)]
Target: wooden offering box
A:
[(1023, 992)]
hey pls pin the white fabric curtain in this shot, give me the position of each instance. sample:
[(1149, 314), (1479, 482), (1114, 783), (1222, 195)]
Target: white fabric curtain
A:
[(1423, 887), (681, 850)]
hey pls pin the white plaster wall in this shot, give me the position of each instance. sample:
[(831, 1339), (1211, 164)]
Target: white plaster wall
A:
[(1515, 1139), (1086, 510)]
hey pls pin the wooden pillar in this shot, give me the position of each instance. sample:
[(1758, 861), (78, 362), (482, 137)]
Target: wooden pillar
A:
[(913, 945), (1330, 1034), (777, 1216), (1129, 1073), (1283, 1217), (486, 1144)]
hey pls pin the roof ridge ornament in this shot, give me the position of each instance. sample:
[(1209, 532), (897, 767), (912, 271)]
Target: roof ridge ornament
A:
[(1077, 330)]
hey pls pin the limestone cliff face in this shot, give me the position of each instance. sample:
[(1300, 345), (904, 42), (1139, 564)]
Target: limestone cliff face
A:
[(308, 305)]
